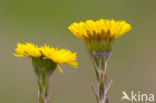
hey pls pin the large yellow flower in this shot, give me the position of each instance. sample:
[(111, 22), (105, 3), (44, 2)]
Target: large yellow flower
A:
[(100, 29), (56, 55)]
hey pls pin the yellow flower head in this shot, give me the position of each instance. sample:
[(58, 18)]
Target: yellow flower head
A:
[(56, 55), (100, 29), (99, 35), (59, 55), (27, 49)]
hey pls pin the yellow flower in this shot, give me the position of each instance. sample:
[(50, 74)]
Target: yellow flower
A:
[(45, 52), (27, 49), (100, 29), (99, 35), (59, 55)]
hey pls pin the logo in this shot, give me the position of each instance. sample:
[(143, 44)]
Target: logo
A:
[(137, 97)]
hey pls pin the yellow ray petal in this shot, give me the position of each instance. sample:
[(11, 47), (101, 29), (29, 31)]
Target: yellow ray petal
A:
[(18, 55), (60, 68)]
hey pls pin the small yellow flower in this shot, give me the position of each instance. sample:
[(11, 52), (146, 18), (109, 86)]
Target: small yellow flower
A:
[(56, 55), (99, 35), (100, 29)]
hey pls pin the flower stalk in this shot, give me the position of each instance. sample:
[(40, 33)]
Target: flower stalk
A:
[(100, 60), (43, 95)]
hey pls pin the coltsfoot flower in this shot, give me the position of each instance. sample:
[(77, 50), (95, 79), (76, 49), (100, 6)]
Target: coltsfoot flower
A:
[(99, 34), (45, 59), (56, 55), (27, 49)]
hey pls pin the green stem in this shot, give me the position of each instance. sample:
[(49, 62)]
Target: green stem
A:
[(43, 96)]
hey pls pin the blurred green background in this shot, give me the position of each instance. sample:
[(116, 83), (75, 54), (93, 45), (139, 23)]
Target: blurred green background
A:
[(132, 65)]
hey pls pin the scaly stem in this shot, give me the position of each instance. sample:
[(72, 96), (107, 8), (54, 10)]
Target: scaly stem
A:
[(100, 64)]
